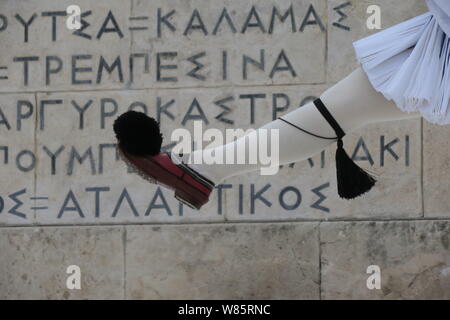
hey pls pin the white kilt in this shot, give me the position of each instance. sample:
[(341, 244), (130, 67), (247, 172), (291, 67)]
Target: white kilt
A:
[(409, 64)]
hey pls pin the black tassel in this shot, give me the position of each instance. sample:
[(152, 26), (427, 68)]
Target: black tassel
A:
[(352, 181)]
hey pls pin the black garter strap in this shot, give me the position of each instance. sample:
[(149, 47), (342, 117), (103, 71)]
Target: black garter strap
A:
[(327, 115)]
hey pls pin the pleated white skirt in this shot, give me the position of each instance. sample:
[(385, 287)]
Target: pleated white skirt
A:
[(409, 64)]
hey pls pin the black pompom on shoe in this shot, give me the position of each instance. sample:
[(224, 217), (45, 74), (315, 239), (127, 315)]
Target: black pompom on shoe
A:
[(138, 134)]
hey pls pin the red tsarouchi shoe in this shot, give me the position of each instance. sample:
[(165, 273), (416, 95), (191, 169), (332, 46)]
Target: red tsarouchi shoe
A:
[(191, 188)]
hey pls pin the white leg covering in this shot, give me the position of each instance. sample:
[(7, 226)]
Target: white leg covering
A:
[(353, 103)]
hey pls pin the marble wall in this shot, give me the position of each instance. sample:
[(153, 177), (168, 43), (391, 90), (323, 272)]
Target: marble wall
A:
[(67, 199)]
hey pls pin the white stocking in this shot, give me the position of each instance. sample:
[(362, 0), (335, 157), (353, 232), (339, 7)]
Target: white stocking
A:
[(353, 103)]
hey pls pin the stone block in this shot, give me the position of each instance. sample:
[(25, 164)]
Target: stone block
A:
[(160, 44), (413, 259), (35, 260), (94, 194), (272, 261)]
